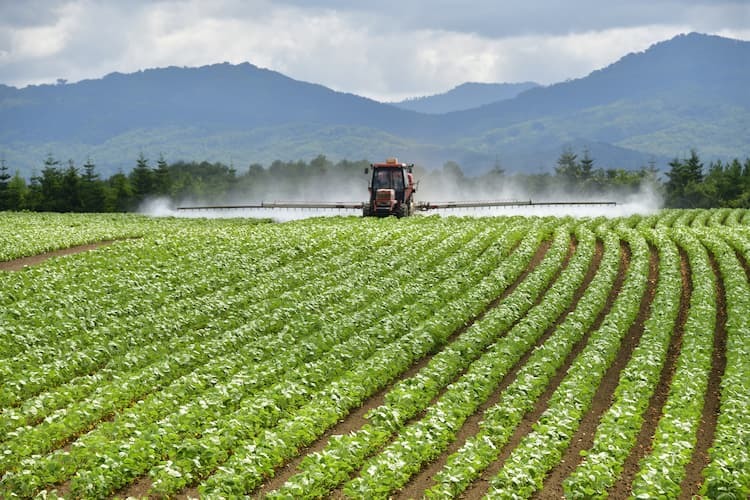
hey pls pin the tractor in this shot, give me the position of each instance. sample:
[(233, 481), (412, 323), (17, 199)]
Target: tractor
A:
[(391, 190)]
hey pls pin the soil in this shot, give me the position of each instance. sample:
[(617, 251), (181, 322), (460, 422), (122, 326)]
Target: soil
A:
[(584, 437), (621, 488), (356, 419), (744, 264), (419, 483), (139, 489), (481, 485), (693, 479), (24, 262)]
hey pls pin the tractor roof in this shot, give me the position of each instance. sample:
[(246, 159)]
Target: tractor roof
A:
[(390, 162)]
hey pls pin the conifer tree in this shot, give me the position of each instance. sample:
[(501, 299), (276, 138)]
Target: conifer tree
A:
[(4, 181)]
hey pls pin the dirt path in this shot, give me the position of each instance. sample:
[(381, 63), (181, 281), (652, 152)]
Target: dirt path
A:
[(621, 488), (23, 262), (693, 479), (356, 419), (584, 436)]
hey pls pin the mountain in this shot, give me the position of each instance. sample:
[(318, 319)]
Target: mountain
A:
[(683, 93), (687, 92), (216, 97), (465, 96), (684, 71)]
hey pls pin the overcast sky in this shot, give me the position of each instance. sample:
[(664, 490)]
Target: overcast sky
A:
[(384, 49)]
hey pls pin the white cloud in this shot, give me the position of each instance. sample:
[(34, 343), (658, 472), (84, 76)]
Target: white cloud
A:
[(364, 48), (36, 42)]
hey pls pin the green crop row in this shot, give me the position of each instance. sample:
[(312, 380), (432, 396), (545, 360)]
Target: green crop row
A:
[(426, 438), (246, 469), (663, 469), (499, 421), (121, 392), (619, 426), (316, 374), (246, 333), (210, 353), (728, 472), (251, 301), (330, 467), (539, 451)]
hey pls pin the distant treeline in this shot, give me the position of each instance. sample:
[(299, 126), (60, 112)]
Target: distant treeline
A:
[(69, 188)]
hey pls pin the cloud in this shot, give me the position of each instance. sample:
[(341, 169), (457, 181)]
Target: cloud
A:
[(29, 13), (513, 18), (387, 50)]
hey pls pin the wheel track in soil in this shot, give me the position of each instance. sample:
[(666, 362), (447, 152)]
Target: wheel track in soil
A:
[(583, 438), (355, 420), (690, 486), (621, 488), (480, 486), (22, 263)]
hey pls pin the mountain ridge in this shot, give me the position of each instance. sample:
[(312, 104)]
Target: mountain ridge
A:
[(683, 93), (468, 95)]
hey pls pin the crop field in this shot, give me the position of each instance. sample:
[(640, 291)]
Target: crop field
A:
[(342, 357)]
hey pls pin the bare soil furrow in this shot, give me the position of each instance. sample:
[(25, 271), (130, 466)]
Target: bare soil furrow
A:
[(693, 479), (481, 485), (356, 419), (621, 488), (422, 481), (744, 264), (584, 437)]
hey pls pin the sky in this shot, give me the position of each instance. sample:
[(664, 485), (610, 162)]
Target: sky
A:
[(384, 49)]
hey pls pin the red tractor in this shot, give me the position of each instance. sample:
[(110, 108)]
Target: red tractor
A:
[(391, 189)]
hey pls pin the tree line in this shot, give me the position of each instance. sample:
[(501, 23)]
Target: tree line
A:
[(68, 188)]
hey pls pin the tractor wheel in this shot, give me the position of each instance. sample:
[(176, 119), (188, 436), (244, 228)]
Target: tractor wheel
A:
[(404, 210)]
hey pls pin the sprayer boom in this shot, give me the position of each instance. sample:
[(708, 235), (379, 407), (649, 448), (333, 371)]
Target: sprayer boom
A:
[(351, 205), (427, 205), (422, 206), (392, 189)]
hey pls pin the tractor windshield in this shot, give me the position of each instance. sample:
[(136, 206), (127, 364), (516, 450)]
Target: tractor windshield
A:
[(388, 178)]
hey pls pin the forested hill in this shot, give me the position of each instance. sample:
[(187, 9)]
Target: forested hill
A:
[(216, 97), (694, 70), (686, 93)]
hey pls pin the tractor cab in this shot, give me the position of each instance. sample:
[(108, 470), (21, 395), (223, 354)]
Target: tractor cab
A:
[(391, 189)]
